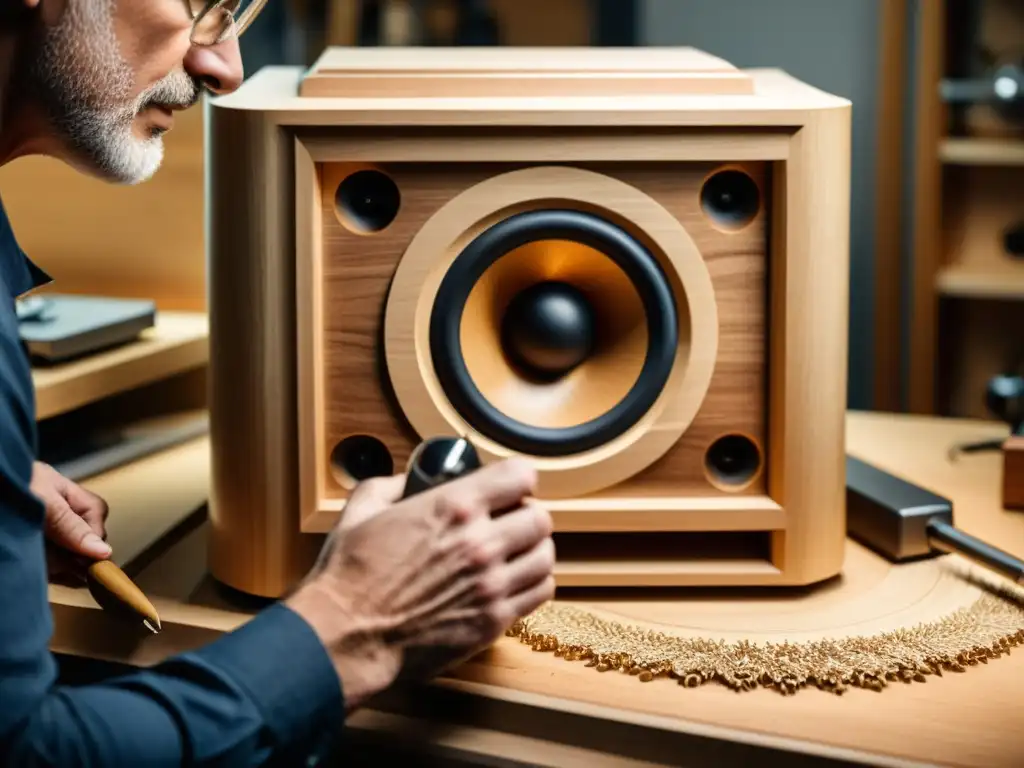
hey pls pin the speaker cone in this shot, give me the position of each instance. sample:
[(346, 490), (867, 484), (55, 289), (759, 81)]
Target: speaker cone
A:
[(553, 332)]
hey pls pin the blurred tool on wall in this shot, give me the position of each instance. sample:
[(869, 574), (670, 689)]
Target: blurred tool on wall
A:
[(985, 84)]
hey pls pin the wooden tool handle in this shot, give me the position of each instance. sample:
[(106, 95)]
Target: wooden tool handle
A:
[(115, 592)]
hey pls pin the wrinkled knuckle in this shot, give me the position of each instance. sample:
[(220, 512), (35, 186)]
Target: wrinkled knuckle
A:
[(525, 473), (57, 515), (548, 555), (491, 585), (480, 551), (545, 524), (371, 486), (456, 508)]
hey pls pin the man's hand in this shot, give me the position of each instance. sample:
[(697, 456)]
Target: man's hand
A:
[(429, 580), (75, 523)]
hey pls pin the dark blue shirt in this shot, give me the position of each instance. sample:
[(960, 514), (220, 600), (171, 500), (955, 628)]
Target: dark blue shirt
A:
[(264, 694)]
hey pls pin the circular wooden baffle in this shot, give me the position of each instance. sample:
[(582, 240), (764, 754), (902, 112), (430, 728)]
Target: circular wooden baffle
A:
[(558, 313), (878, 623)]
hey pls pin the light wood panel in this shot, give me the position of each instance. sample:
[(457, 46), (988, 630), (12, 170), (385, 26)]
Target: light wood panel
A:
[(260, 134), (177, 343), (492, 73), (358, 269), (91, 236), (971, 151)]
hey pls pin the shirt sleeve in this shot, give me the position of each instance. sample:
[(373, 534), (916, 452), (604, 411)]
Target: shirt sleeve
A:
[(266, 693)]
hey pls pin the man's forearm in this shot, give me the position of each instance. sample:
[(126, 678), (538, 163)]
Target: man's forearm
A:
[(266, 690)]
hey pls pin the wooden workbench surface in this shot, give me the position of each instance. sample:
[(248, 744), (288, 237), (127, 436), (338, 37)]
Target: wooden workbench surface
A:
[(547, 711)]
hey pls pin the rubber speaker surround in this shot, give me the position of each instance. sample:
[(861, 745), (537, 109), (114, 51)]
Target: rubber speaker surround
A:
[(587, 229)]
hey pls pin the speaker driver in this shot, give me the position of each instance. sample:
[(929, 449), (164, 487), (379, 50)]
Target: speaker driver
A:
[(554, 332), (610, 308)]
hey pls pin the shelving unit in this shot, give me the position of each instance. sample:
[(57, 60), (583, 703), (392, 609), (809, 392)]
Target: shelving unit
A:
[(177, 344), (978, 151), (966, 289)]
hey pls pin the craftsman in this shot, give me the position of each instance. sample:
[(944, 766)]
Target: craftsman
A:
[(96, 84)]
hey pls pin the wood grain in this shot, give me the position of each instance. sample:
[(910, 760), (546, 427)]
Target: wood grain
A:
[(358, 270)]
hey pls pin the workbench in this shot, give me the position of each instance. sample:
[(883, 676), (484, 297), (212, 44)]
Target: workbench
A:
[(512, 705)]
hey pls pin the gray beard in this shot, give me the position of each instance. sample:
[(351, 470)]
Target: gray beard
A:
[(79, 78)]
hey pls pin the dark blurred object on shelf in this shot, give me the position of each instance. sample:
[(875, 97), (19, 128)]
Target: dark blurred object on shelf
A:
[(1013, 240), (1004, 398), (1003, 91), (478, 24), (984, 83)]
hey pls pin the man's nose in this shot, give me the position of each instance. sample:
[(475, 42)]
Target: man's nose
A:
[(218, 67)]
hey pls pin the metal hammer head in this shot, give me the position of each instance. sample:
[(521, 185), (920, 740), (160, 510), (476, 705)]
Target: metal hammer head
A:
[(889, 514)]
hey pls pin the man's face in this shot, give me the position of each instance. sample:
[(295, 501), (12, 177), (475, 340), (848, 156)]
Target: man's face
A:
[(109, 74)]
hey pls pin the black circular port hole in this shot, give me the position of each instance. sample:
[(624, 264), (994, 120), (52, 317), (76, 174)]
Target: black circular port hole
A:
[(732, 460), (368, 200), (361, 457), (730, 199)]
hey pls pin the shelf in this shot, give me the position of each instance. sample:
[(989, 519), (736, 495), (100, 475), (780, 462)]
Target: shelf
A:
[(969, 151), (176, 344), (973, 283)]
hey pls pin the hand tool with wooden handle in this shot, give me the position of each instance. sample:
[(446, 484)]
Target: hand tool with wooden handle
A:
[(115, 592)]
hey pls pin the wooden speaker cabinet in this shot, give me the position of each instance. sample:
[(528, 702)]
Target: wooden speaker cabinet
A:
[(629, 265)]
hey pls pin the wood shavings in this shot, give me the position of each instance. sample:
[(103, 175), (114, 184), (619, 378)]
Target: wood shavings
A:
[(984, 630)]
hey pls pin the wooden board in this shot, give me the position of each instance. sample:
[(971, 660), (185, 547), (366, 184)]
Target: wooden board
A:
[(521, 72), (176, 344)]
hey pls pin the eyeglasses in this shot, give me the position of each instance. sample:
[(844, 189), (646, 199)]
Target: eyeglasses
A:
[(214, 21)]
